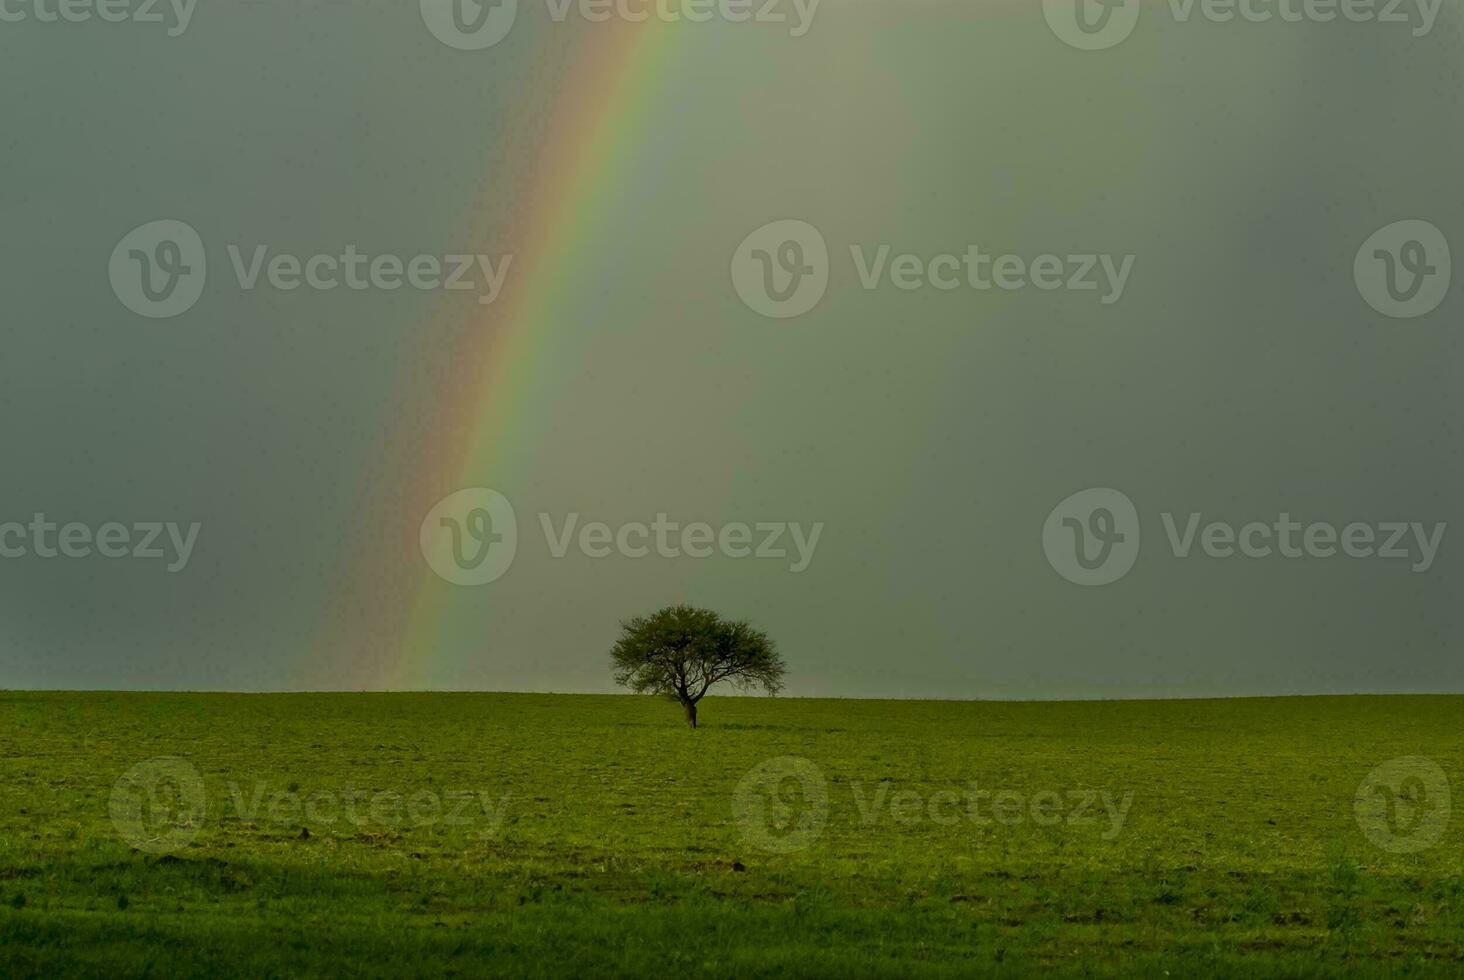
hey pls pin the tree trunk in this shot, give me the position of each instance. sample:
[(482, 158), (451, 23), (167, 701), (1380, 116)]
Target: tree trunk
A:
[(690, 707)]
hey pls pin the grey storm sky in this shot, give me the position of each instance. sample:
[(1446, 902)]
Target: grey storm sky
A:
[(931, 432)]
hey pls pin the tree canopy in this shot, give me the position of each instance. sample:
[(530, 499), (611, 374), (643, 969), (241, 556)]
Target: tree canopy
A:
[(680, 652)]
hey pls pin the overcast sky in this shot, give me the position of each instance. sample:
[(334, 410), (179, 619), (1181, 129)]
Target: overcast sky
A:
[(1210, 336)]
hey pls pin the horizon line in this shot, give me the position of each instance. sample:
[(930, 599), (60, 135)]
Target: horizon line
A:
[(748, 697)]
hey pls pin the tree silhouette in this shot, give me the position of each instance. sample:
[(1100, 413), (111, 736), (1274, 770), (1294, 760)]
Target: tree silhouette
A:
[(681, 651)]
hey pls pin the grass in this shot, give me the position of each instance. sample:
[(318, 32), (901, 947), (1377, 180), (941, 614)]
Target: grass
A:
[(526, 835)]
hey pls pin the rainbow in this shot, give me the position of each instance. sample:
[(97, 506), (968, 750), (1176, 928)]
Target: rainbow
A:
[(461, 413)]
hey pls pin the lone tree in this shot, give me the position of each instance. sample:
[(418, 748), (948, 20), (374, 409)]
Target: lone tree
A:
[(680, 652)]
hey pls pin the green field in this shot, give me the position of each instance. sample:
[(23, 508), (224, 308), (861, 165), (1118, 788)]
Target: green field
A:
[(473, 834)]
